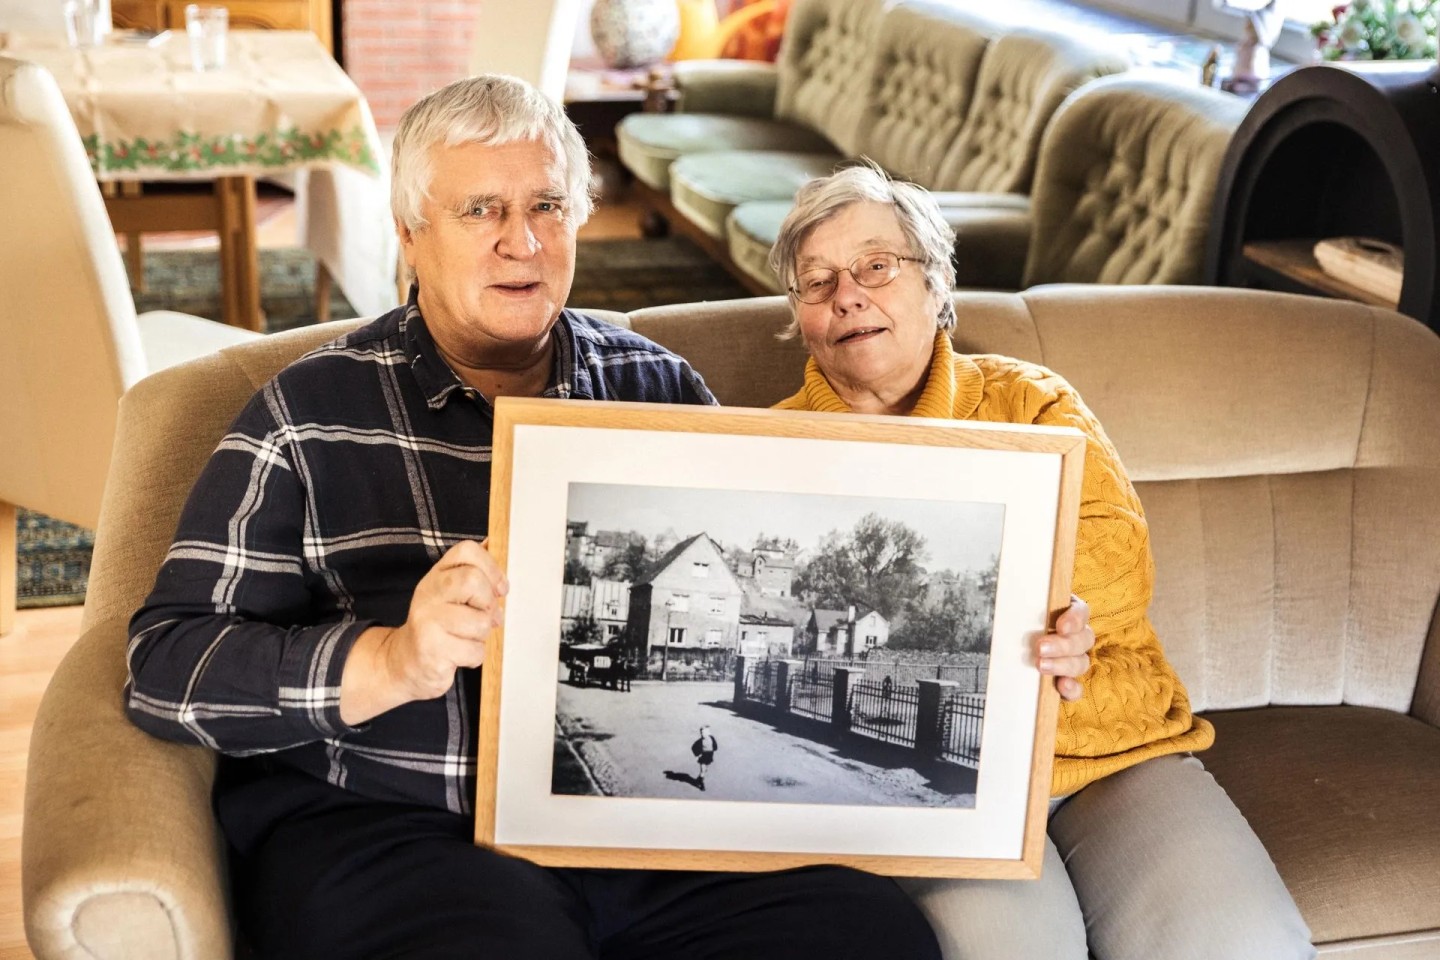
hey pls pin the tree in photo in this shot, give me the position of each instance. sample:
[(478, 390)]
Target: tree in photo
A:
[(630, 563), (879, 564), (576, 572), (959, 620)]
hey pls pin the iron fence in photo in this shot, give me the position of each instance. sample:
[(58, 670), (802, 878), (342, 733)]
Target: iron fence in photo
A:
[(961, 721), (885, 711)]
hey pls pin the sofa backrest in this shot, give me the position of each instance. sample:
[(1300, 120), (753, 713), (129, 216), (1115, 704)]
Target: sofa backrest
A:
[(1286, 449), (927, 59), (1127, 171), (1024, 77), (824, 66)]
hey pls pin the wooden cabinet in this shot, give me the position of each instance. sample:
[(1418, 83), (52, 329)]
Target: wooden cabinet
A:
[(312, 15)]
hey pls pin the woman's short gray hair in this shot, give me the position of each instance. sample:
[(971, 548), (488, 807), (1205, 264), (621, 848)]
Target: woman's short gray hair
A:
[(929, 236), (492, 109)]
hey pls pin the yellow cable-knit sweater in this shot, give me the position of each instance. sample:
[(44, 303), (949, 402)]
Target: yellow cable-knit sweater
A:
[(1134, 706)]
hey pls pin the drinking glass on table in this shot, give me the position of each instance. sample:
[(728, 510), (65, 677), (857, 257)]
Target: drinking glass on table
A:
[(84, 26), (207, 27)]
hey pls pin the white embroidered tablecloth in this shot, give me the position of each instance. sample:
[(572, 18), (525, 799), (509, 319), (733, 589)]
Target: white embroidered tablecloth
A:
[(281, 105)]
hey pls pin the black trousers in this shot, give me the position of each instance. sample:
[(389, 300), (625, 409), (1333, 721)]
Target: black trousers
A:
[(322, 874)]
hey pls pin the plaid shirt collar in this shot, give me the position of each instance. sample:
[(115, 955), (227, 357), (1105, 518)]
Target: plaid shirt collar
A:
[(439, 382)]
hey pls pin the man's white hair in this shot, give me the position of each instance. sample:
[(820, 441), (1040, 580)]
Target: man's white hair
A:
[(491, 109)]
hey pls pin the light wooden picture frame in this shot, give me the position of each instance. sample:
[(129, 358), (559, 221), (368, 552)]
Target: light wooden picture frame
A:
[(829, 741)]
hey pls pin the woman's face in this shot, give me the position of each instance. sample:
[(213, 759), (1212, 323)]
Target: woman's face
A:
[(867, 340)]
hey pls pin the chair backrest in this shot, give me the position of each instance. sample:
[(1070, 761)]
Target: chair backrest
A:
[(824, 66), (72, 345), (1127, 171), (530, 40), (922, 85), (1024, 77)]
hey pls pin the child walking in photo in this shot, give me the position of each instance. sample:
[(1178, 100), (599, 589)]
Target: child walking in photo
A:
[(704, 749)]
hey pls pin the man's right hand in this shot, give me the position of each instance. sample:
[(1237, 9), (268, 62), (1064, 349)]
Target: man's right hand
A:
[(453, 610)]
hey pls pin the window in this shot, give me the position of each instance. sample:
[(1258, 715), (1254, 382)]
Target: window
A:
[(712, 638), (677, 635), (717, 606), (871, 641), (1175, 11), (700, 571)]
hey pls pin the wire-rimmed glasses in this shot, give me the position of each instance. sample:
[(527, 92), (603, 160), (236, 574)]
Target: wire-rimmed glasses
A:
[(869, 270)]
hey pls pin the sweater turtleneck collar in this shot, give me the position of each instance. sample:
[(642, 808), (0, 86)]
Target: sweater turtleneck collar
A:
[(952, 388)]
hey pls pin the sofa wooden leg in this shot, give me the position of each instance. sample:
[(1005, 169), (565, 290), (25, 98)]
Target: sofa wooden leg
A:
[(9, 585), (653, 225)]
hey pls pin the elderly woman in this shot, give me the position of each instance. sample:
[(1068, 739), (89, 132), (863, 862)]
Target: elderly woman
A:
[(1147, 857)]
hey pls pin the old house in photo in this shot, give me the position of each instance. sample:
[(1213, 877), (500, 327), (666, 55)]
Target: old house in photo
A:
[(765, 635), (845, 633), (689, 599), (593, 550), (605, 601), (768, 572)]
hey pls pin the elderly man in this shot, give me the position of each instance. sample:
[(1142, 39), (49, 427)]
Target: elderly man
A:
[(322, 613)]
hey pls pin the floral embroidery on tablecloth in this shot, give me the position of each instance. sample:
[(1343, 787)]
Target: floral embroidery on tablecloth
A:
[(191, 153)]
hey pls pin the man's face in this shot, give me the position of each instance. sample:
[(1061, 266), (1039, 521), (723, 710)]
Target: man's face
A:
[(496, 257)]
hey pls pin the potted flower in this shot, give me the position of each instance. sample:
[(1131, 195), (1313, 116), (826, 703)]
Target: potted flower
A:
[(1379, 30)]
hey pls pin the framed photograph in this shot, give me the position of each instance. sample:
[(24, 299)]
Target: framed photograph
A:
[(742, 639)]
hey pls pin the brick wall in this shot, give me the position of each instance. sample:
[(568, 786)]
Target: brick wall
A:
[(399, 50)]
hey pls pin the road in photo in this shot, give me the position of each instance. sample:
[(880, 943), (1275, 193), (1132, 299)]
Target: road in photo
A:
[(638, 744)]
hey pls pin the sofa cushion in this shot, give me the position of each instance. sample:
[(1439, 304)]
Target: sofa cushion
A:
[(1127, 172), (650, 142), (705, 187), (1344, 800), (926, 62), (750, 232), (1024, 77), (826, 65)]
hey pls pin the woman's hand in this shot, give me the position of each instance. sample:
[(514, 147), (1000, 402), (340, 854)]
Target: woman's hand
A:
[(1065, 654)]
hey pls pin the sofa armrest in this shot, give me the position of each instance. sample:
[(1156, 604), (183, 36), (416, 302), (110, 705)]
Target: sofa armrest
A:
[(741, 87), (121, 856), (990, 245)]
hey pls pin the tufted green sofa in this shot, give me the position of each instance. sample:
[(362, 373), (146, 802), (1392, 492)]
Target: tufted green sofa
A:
[(932, 93)]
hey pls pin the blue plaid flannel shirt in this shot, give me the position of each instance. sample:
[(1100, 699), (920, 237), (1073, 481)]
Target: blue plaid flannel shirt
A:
[(338, 487)]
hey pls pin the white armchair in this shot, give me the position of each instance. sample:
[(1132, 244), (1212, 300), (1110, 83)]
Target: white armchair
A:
[(73, 343)]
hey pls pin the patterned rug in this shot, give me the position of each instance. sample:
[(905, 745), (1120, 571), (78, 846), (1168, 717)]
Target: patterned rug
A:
[(54, 557)]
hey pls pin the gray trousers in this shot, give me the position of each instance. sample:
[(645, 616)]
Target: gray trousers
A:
[(1152, 863)]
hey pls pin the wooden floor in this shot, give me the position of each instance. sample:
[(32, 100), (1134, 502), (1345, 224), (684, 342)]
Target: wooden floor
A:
[(28, 656)]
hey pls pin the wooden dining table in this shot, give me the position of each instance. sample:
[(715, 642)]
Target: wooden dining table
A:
[(281, 104)]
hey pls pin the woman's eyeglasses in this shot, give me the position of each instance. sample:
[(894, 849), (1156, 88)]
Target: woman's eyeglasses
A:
[(869, 270)]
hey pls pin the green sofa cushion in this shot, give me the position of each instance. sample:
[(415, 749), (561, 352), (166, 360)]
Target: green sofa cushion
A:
[(750, 232), (650, 142), (705, 187)]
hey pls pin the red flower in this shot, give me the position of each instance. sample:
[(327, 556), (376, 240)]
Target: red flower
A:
[(1337, 10), (152, 150), (121, 152), (216, 149)]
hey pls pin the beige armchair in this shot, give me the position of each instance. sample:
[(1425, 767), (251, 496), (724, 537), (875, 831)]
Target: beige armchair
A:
[(1287, 450), (73, 343)]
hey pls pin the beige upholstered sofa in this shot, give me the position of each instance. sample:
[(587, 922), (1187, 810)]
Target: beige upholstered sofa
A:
[(1287, 451), (931, 92)]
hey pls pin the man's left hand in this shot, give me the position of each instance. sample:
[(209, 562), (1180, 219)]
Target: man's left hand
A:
[(1065, 654)]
